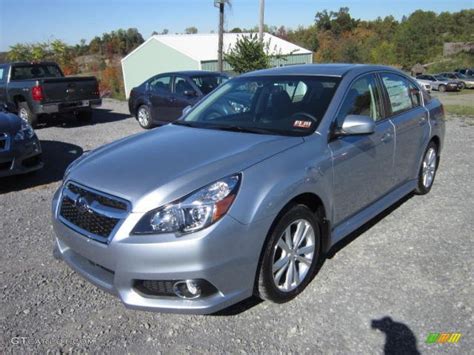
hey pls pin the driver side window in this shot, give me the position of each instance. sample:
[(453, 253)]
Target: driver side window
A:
[(363, 98)]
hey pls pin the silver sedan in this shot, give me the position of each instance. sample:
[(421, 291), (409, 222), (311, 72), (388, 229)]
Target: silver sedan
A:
[(248, 191)]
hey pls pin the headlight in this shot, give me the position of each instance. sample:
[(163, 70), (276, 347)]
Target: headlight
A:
[(25, 132), (194, 212)]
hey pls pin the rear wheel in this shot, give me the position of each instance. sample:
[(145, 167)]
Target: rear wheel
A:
[(144, 117), (290, 256), (26, 114), (442, 88), (462, 85), (428, 168)]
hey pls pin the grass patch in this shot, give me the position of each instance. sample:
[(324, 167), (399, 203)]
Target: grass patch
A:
[(465, 113), (459, 110)]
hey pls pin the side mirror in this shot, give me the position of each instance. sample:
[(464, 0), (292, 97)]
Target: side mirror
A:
[(186, 110), (190, 93), (355, 125)]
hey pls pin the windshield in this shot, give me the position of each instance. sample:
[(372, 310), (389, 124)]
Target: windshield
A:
[(207, 83), (35, 71), (285, 105)]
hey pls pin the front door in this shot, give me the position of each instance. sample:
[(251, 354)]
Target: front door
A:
[(184, 94), (362, 164)]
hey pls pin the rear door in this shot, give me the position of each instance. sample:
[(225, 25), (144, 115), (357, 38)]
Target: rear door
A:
[(362, 164), (404, 103), (160, 96)]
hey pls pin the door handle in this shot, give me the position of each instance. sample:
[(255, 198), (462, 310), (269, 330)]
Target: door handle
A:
[(171, 99), (386, 137), (422, 120)]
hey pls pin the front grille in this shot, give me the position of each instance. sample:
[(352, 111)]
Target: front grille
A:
[(4, 142), (93, 214), (106, 201)]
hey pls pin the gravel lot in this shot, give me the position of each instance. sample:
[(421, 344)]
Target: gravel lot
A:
[(401, 277)]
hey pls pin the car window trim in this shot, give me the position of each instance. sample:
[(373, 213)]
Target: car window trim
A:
[(338, 110), (389, 106)]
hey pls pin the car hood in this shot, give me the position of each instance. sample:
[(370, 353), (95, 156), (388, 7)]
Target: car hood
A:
[(9, 123), (154, 168)]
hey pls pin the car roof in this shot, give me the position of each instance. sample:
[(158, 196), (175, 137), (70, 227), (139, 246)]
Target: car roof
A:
[(33, 63), (193, 73), (320, 69)]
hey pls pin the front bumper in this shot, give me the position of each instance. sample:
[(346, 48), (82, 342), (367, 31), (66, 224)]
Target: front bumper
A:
[(66, 106), (21, 157), (225, 254)]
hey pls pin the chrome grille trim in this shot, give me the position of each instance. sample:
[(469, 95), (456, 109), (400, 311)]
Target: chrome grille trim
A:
[(4, 142), (72, 191)]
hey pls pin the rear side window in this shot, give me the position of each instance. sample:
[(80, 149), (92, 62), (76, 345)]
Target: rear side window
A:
[(35, 71), (363, 99), (160, 84), (402, 94)]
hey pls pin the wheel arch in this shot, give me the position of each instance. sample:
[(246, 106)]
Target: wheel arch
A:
[(316, 205)]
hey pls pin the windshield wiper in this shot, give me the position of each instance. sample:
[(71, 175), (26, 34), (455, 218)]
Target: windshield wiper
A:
[(244, 129), (185, 123)]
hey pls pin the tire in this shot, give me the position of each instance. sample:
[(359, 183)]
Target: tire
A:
[(280, 286), (25, 113), (442, 88), (462, 86), (84, 116), (144, 117), (428, 168)]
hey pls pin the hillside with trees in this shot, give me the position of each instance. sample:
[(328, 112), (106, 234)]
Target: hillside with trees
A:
[(334, 36)]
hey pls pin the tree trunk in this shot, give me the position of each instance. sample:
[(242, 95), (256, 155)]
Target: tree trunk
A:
[(220, 64)]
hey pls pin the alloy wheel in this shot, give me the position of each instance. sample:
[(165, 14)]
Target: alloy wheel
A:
[(143, 117), (23, 114), (293, 255), (429, 167)]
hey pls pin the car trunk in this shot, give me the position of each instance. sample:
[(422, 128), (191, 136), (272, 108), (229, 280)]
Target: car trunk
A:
[(69, 89)]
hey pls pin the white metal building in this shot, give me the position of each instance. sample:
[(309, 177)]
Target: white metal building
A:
[(165, 53)]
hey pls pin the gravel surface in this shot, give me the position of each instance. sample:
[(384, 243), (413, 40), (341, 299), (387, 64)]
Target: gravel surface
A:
[(401, 277)]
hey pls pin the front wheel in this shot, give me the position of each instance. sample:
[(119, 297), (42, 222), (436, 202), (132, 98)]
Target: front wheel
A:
[(442, 88), (427, 171), (144, 117), (290, 256)]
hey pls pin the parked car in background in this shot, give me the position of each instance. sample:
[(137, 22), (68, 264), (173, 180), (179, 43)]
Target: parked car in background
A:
[(162, 98), (439, 83), (466, 71), (424, 84), (234, 200), (466, 81), (35, 89), (20, 149)]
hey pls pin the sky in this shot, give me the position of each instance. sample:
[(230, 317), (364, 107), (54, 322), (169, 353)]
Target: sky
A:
[(28, 21)]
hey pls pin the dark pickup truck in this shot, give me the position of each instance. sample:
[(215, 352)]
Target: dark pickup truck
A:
[(35, 89)]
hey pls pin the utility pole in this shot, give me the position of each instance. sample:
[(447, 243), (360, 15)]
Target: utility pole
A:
[(262, 20), (220, 4)]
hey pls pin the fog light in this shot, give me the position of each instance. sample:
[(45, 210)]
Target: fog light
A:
[(188, 289)]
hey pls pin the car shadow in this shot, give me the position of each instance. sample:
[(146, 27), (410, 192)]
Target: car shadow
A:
[(253, 301), (364, 228), (68, 120), (56, 157), (399, 338)]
